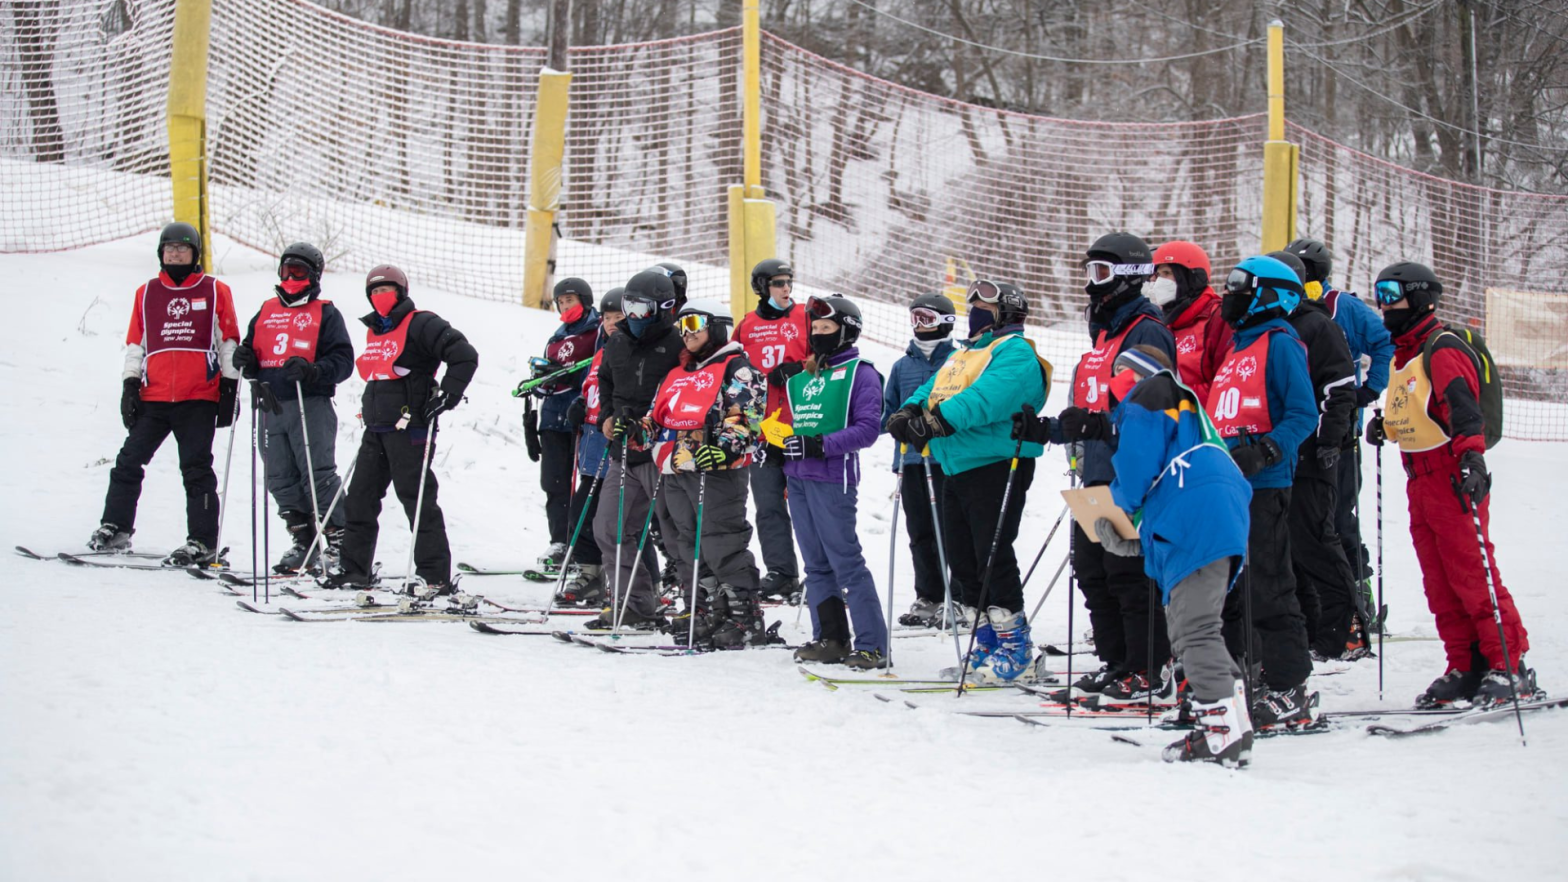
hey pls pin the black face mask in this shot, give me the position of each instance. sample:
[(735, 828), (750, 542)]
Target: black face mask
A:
[(937, 333), (179, 273), (1107, 297), (826, 344), (1398, 321), (1233, 307)]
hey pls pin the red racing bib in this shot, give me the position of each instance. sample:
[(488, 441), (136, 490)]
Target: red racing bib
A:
[(283, 332), (381, 350), (1092, 379), (685, 397), (179, 319), (1239, 398)]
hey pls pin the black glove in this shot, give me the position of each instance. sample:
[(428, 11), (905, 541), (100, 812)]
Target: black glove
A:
[(298, 370), (440, 401), (531, 434), (781, 374), (1328, 456), (577, 412), (262, 399), (228, 401), (131, 401), (798, 447), (244, 359), (1473, 483), (1029, 427), (1257, 456), (1375, 434), (1365, 396), (1081, 425), (898, 419)]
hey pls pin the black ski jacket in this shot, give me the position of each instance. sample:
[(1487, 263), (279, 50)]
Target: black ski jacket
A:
[(1333, 374), (334, 354), (631, 372), (431, 342)]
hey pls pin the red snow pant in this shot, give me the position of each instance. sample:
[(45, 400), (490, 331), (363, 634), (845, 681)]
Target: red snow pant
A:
[(1451, 570)]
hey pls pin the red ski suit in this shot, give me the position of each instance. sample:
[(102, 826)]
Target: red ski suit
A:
[(1440, 524)]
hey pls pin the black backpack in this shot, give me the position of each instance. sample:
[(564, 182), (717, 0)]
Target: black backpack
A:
[(1486, 369)]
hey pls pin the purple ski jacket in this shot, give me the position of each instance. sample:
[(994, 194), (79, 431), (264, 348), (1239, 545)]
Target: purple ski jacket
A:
[(842, 464)]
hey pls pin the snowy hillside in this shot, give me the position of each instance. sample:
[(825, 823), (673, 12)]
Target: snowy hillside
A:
[(150, 730)]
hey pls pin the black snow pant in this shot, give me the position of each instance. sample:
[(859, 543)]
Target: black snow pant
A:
[(775, 533), (1279, 633), (1123, 604), (1347, 514), (916, 501), (1324, 584), (726, 534), (973, 503), (291, 466), (193, 424), (557, 464), (586, 551), (394, 458)]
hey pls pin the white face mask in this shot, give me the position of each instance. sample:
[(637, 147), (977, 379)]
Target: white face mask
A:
[(1161, 290)]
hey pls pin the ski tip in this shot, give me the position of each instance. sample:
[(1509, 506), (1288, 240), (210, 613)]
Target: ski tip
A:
[(29, 553)]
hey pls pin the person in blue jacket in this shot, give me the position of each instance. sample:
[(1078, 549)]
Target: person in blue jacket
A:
[(550, 436), (933, 318), (1175, 473), (964, 414), (1263, 403), (1364, 331)]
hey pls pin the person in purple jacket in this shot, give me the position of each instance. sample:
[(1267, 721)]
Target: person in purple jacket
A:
[(836, 410)]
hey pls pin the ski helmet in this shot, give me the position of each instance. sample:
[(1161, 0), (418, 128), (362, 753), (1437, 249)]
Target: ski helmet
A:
[(933, 316), (1189, 260), (1265, 287), (715, 318), (1121, 248), (307, 255), (1012, 305), (677, 279), (1117, 264), (1410, 281), (1317, 257), (840, 310), (611, 301), (181, 233), (648, 293), (764, 272), (387, 274), (574, 286), (1295, 263)]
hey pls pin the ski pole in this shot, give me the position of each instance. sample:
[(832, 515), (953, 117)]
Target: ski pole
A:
[(696, 563), (223, 497), (320, 540), (1380, 614), (620, 526), (1072, 579), (1497, 617), (266, 525), (419, 505), (1050, 587), (528, 386), (1043, 546), (310, 467), (990, 563), (253, 443), (941, 553), (1246, 613), (598, 475), (642, 539), (892, 556)]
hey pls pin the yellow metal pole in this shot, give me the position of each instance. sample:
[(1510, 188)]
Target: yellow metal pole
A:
[(740, 271), (544, 184), (1279, 155), (187, 119), (752, 113)]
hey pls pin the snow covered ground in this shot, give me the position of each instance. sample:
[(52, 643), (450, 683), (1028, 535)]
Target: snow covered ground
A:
[(149, 730)]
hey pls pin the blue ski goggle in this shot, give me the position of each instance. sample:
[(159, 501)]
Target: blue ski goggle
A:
[(1389, 292)]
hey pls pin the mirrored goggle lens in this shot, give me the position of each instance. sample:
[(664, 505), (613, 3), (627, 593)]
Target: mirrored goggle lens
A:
[(1389, 291), (691, 323), (820, 309), (923, 318), (539, 363), (638, 307), (984, 290), (1238, 281), (293, 269)]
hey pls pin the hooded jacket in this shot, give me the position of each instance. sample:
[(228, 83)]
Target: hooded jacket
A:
[(431, 343)]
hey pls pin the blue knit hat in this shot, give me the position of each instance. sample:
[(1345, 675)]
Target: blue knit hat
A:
[(1138, 361)]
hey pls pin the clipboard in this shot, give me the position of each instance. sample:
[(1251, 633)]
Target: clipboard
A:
[(1089, 504)]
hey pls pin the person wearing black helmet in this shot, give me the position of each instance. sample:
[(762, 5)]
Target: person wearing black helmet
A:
[(677, 281), (550, 434), (585, 586), (644, 349), (775, 336), (835, 411), (1370, 341), (298, 343), (933, 318), (404, 348), (178, 378), (963, 414), (1435, 414), (1120, 598), (1325, 586)]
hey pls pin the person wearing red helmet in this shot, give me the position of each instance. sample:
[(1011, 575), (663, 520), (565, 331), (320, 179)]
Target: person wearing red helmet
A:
[(1181, 289)]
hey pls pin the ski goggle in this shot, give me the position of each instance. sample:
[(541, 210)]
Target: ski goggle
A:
[(983, 290), (293, 269), (639, 307), (1389, 292), (691, 323), (1102, 271), (924, 319), (819, 308)]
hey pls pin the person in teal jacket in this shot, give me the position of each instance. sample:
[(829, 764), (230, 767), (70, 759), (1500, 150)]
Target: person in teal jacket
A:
[(964, 414)]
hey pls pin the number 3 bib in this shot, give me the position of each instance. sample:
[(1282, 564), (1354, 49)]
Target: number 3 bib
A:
[(283, 332)]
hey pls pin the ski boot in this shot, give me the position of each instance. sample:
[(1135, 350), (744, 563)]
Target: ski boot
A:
[(302, 530), (630, 619), (108, 537), (984, 645), (1285, 709), (1223, 734), (779, 587), (1498, 687), (1136, 689), (1013, 655), (712, 609), (832, 644), (1089, 685), (964, 616), (584, 588), (1455, 685), (194, 553), (551, 560), (743, 625), (331, 547), (922, 614), (826, 652), (866, 660)]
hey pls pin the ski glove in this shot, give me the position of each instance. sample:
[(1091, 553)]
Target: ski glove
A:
[(262, 399), (1105, 531), (298, 370), (897, 420), (799, 447), (1328, 456), (781, 374), (577, 412), (531, 443), (1257, 456), (920, 426), (440, 402), (131, 401), (1472, 483), (1375, 434), (622, 424), (1081, 425), (1365, 395), (244, 359), (228, 402), (1031, 428), (710, 458)]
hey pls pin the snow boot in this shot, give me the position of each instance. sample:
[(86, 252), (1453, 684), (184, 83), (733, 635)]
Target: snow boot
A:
[(1136, 690), (193, 553), (826, 652), (743, 624), (1497, 687), (302, 530), (584, 588), (1223, 734), (1090, 684), (108, 537), (1013, 655), (866, 660), (922, 614), (1284, 709)]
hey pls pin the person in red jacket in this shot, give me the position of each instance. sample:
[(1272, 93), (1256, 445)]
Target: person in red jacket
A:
[(1433, 413), (179, 379), (1192, 311)]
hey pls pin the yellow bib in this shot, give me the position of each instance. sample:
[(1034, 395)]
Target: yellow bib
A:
[(1407, 420), (965, 366)]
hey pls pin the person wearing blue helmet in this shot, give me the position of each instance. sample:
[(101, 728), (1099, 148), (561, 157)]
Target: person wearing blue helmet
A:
[(1263, 404)]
